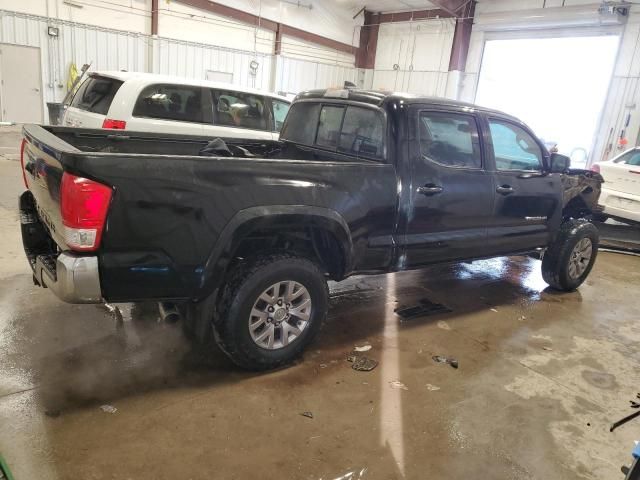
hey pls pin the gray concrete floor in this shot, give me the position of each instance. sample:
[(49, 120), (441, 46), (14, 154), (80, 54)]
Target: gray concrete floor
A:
[(541, 377)]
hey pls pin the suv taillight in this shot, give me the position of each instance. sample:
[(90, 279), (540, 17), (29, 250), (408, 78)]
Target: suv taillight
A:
[(83, 204), (114, 124), (24, 175)]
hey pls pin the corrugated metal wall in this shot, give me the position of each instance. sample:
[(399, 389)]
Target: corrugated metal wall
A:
[(76, 43), (414, 56), (109, 49), (192, 60), (294, 75)]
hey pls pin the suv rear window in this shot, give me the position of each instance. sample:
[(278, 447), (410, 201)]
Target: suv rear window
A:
[(171, 102), (237, 109), (96, 94)]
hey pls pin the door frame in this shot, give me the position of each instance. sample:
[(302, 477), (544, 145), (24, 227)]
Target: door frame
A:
[(42, 103)]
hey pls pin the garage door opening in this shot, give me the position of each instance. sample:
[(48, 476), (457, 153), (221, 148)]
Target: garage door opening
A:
[(558, 86)]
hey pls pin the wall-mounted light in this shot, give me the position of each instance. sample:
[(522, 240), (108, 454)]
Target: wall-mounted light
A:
[(53, 31)]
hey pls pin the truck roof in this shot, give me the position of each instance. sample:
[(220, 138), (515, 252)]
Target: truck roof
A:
[(381, 97)]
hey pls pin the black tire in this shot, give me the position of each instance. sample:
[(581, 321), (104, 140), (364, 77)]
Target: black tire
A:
[(600, 217), (245, 285), (556, 260)]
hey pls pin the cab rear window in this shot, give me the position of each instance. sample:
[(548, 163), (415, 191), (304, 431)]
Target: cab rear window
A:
[(96, 94), (347, 129)]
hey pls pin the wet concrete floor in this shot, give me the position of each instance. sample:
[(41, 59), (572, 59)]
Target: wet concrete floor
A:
[(541, 376)]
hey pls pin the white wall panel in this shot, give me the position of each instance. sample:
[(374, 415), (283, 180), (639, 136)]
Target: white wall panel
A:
[(192, 60), (191, 24), (131, 15), (108, 49), (78, 43), (414, 56), (328, 18), (295, 48), (294, 75)]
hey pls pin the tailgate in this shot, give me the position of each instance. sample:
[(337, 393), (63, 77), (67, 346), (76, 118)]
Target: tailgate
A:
[(42, 163)]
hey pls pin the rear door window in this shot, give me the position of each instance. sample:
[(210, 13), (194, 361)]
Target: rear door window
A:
[(449, 139), (96, 94), (182, 103), (238, 109)]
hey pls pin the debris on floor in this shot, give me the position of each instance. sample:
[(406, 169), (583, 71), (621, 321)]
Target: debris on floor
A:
[(364, 348), (424, 308), (115, 311), (522, 318), (442, 359), (494, 310), (628, 418), (307, 414), (361, 362), (364, 364), (548, 349), (398, 385), (352, 357), (432, 388), (443, 325), (108, 409)]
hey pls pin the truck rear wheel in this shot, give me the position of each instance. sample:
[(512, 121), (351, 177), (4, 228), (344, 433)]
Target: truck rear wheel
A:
[(569, 260), (270, 310)]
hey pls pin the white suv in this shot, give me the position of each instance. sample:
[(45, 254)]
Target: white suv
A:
[(154, 103)]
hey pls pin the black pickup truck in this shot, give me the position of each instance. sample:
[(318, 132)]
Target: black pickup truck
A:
[(243, 236)]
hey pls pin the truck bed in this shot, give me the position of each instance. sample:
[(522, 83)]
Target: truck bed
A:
[(105, 141), (170, 205)]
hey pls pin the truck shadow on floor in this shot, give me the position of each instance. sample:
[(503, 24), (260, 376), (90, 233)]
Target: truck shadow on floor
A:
[(140, 354)]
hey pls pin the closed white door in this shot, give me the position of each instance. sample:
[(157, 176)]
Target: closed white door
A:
[(20, 84)]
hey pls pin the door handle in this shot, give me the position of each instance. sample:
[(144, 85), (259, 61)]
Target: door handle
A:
[(430, 189), (505, 189)]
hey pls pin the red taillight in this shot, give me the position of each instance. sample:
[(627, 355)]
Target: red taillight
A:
[(595, 168), (84, 204), (114, 124), (24, 175)]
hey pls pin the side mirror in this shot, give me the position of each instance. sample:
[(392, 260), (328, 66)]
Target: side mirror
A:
[(559, 163)]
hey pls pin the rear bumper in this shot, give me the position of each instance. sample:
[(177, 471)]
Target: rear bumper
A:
[(620, 204), (72, 278)]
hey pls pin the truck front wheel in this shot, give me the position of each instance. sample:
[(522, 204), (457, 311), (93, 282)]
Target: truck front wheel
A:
[(568, 261), (271, 308)]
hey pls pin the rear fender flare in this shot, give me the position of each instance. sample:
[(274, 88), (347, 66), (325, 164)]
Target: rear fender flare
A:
[(274, 216)]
